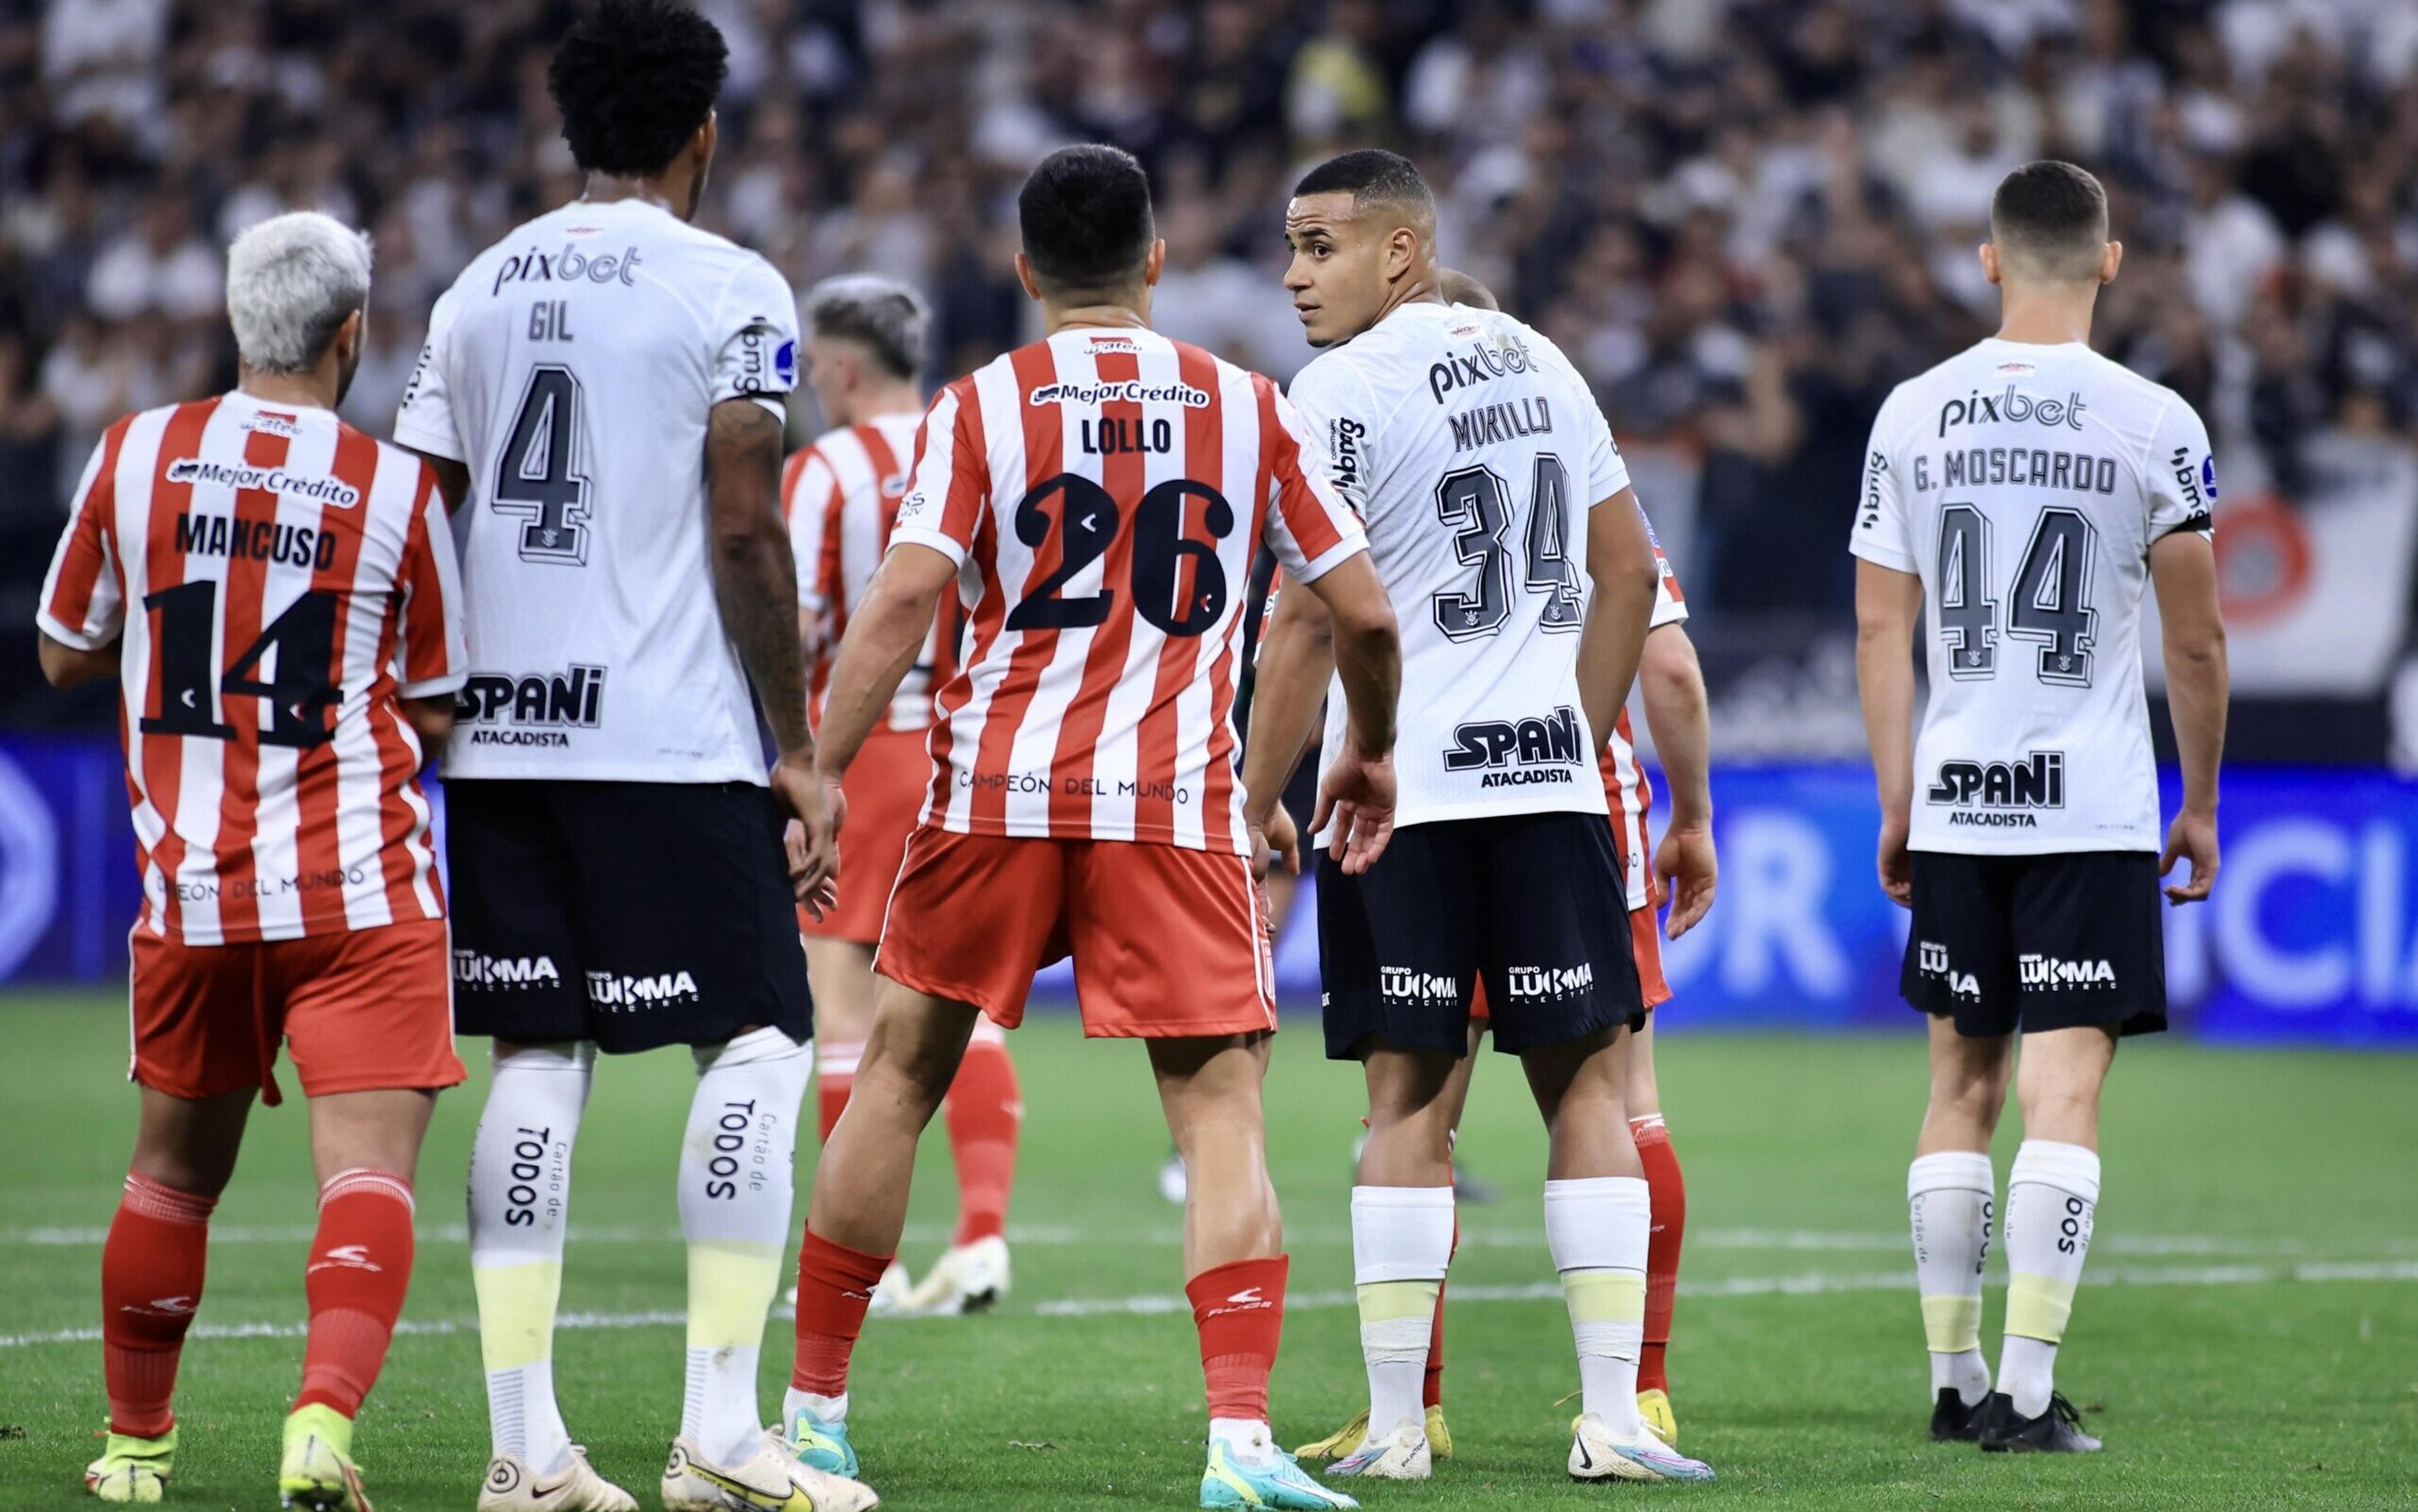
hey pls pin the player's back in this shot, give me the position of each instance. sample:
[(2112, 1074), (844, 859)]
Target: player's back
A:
[(2025, 484), (573, 367), (1475, 452), (1103, 492), (281, 566), (841, 495)]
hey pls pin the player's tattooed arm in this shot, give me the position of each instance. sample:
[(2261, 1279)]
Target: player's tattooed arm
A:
[(754, 579), (1671, 684), (2182, 566), (1888, 604), (1621, 565)]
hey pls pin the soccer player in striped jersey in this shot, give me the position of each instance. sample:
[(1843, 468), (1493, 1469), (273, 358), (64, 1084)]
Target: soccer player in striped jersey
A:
[(1096, 498), (864, 344), (276, 594)]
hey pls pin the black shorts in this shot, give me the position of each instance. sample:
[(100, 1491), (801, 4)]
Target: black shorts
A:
[(2038, 943), (1533, 902), (633, 914)]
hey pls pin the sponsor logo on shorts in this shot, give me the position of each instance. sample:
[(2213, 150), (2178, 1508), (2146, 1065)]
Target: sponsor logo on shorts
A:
[(2000, 795), (634, 994), (1403, 984), (1516, 752), (1548, 984), (538, 708), (2036, 971), (476, 968), (1930, 962)]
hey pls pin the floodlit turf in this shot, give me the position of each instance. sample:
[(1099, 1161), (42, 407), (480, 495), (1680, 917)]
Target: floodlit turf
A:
[(2260, 1210)]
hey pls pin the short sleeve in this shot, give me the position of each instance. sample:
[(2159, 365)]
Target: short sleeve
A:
[(2182, 474), (1883, 535), (83, 600), (1607, 470), (1332, 402), (755, 338), (425, 422), (810, 500), (1670, 604), (430, 649), (948, 485), (1309, 525)]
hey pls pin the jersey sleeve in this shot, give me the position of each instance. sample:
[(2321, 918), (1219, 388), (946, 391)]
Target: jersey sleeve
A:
[(1883, 533), (83, 600), (1334, 403), (1670, 604), (755, 338), (425, 422), (948, 485), (2182, 474), (810, 500), (1311, 525), (432, 656), (1607, 470)]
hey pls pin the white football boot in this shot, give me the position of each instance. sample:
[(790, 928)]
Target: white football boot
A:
[(511, 1486), (966, 1278)]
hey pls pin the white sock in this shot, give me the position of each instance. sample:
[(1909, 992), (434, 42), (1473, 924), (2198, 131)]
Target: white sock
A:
[(2052, 1196), (1948, 1199), (735, 1185), (1598, 1229), (1401, 1242), (826, 1408), (520, 1191), (1246, 1439)]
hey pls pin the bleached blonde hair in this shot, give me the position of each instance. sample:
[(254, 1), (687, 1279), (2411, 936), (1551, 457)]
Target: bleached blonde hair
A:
[(291, 280)]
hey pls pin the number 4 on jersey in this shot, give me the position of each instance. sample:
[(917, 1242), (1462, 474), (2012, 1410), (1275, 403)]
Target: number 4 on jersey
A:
[(2048, 602), (537, 476)]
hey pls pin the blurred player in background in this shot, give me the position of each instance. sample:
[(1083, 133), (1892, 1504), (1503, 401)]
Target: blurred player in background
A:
[(1500, 515), (2028, 491), (1671, 684), (604, 391), (865, 341), (1096, 498), (296, 638)]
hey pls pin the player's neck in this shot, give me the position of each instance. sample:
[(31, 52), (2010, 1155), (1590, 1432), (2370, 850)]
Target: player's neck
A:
[(1420, 288), (1055, 318), (656, 190), (2047, 316), (314, 390), (895, 399)]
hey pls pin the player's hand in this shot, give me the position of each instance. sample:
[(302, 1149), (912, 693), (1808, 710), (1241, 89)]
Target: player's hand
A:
[(2192, 835), (1896, 867), (1358, 796), (1690, 871), (1277, 839), (815, 808)]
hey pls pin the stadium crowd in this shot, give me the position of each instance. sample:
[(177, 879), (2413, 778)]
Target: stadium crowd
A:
[(1744, 219)]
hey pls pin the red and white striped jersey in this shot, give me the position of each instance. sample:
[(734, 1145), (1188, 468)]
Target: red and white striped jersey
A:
[(295, 577), (1103, 493), (1626, 789), (841, 498)]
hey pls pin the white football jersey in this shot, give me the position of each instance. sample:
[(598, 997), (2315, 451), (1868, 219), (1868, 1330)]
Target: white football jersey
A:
[(573, 367), (1474, 451), (2025, 484)]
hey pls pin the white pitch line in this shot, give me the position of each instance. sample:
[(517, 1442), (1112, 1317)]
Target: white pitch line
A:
[(1809, 1284)]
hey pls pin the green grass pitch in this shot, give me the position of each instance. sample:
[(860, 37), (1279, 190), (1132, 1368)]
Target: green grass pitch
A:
[(2251, 1339)]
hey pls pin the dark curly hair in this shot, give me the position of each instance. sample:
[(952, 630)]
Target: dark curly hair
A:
[(634, 80)]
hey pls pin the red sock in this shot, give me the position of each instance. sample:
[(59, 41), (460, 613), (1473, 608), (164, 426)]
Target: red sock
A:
[(835, 1076), (985, 1112), (150, 1283), (835, 1286), (360, 1266), (1239, 1309), (1432, 1388), (1668, 1196)]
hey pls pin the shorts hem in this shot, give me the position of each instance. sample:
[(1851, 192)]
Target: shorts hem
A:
[(382, 1081), (974, 998), (1210, 1030)]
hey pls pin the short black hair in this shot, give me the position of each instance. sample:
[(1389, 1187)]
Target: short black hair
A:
[(1370, 175), (2051, 218), (1086, 218), (634, 80)]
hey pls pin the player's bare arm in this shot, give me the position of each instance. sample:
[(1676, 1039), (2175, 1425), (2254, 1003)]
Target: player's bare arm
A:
[(452, 478), (756, 582), (1362, 644), (65, 666), (2182, 566), (884, 636), (1296, 660), (1888, 604), (431, 719), (1671, 684), (1620, 561)]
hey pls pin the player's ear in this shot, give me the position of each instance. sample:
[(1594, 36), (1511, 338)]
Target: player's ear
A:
[(708, 136), (2110, 259), (349, 335), (1024, 275), (1154, 263), (1990, 262), (1402, 253)]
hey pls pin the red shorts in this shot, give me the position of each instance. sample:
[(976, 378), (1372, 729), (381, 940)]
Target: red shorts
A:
[(367, 1010), (1644, 940), (1167, 942), (887, 785)]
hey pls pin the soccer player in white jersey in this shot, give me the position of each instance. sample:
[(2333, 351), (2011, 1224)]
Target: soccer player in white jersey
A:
[(2017, 499), (604, 390), (864, 344), (1500, 515)]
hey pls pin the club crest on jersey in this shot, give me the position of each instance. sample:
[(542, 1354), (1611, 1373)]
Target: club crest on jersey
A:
[(2000, 795), (785, 364), (2012, 407), (1483, 362), (1516, 752)]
